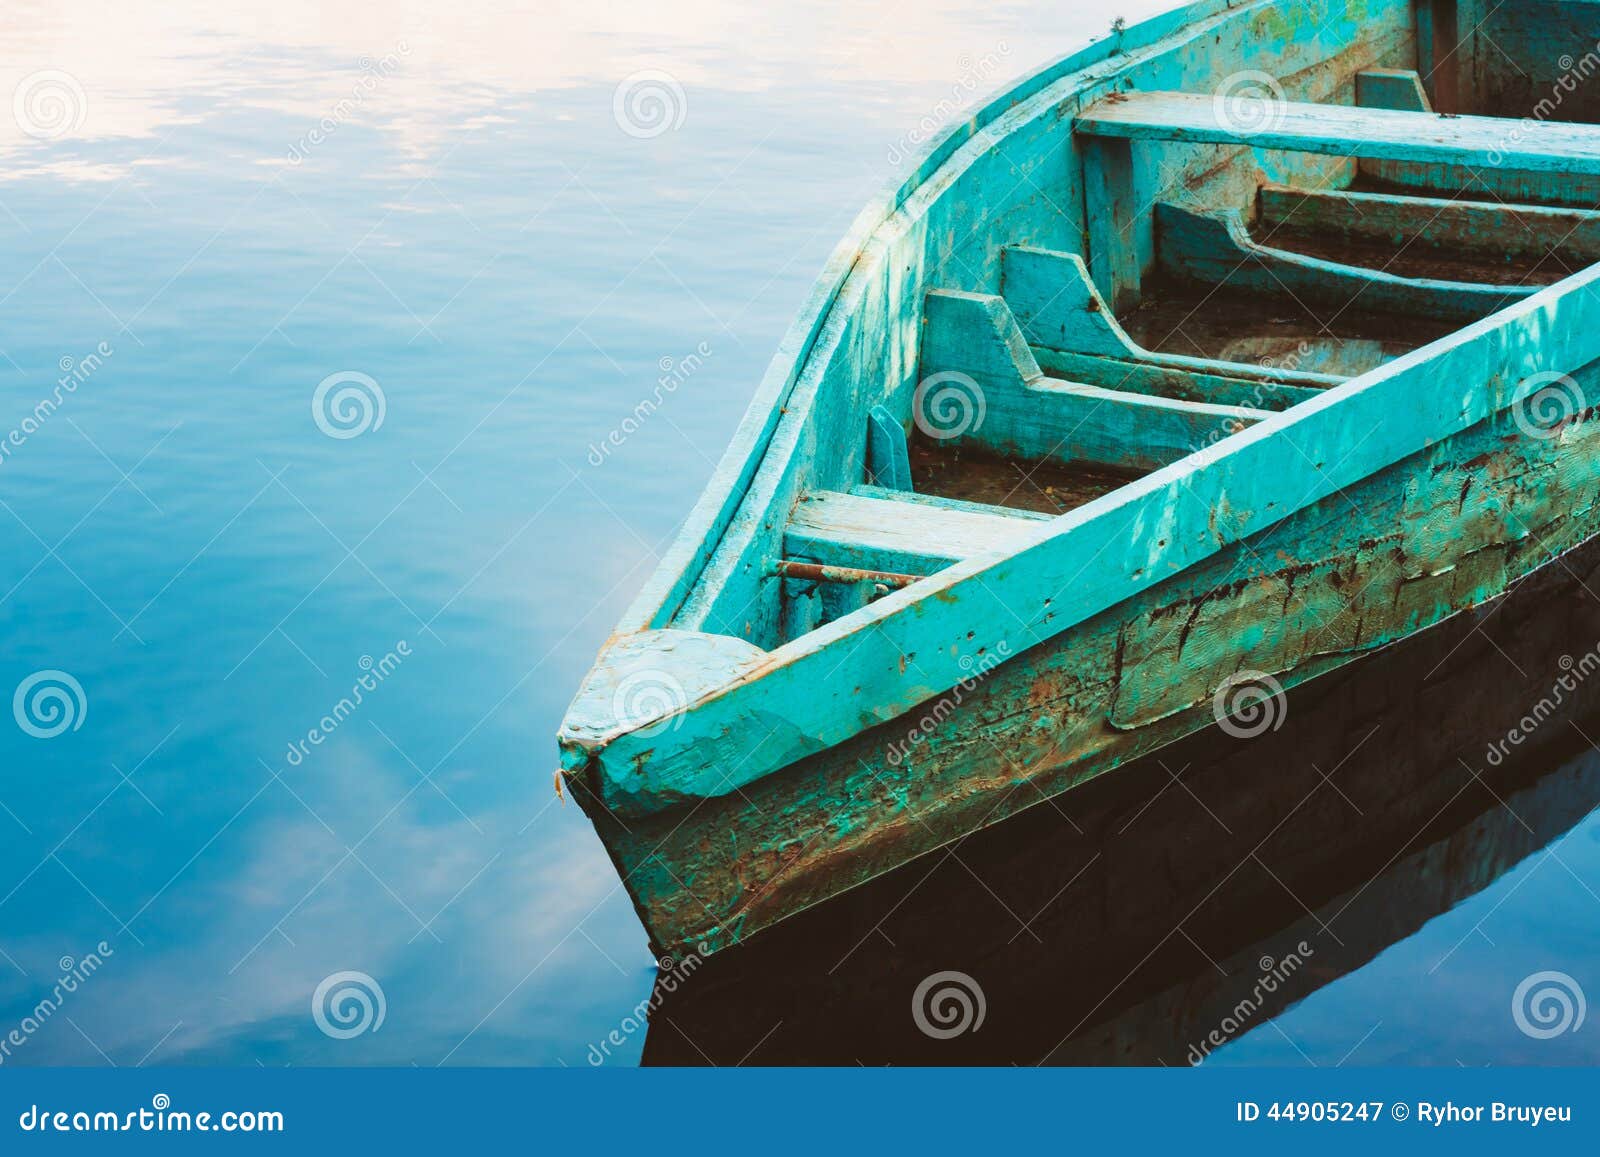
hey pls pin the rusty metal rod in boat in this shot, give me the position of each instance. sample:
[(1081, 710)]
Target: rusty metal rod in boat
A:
[(816, 572)]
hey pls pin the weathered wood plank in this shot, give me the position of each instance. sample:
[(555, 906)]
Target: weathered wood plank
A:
[(1164, 381), (871, 533), (1395, 88), (888, 460), (1059, 309), (975, 359), (1439, 52), (1117, 234), (1534, 60), (1214, 249), (648, 675), (1511, 63), (939, 501), (1343, 130), (911, 542), (1450, 225), (1071, 422)]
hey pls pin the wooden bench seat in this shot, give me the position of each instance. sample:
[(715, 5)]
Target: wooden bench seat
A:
[(910, 534), (1344, 130)]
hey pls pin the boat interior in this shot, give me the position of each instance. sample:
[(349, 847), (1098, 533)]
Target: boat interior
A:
[(1205, 221)]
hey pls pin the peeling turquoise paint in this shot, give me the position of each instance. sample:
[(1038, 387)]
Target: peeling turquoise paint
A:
[(1285, 521)]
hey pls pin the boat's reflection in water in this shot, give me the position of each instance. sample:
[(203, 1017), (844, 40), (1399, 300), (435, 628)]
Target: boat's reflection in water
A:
[(1154, 915)]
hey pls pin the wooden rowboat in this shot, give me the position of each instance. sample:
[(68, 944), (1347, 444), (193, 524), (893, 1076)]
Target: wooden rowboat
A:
[(1197, 365)]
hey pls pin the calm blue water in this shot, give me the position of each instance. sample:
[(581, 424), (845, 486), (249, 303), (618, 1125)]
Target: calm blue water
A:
[(472, 239)]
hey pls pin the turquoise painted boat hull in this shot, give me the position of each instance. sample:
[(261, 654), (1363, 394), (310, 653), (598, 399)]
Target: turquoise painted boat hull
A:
[(1390, 795), (1195, 366)]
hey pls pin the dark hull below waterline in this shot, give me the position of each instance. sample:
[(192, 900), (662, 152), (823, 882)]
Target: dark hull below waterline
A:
[(1150, 898)]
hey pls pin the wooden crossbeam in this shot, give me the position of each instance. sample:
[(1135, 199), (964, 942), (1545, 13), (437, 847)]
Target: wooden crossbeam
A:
[(1164, 379), (906, 537), (1075, 337), (1342, 130), (1215, 249), (1000, 400), (1448, 225)]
